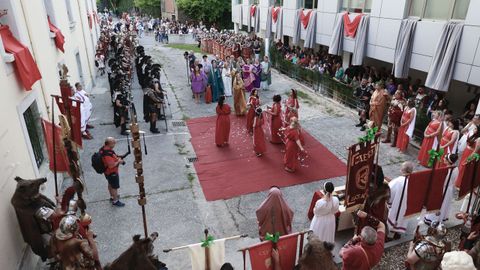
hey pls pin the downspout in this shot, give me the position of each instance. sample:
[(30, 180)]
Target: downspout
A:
[(85, 43), (42, 85)]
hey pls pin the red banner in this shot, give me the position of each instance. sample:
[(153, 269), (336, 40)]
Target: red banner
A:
[(275, 11), (253, 9), (261, 254), (60, 153), (305, 18), (421, 193), (466, 177), (360, 163), (95, 16), (351, 26), (75, 114), (89, 20)]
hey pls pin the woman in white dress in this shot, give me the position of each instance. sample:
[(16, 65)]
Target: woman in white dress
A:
[(323, 222), (227, 78)]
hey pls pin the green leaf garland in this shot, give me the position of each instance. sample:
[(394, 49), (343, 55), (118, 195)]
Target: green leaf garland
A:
[(272, 237), (207, 242), (370, 136), (434, 155)]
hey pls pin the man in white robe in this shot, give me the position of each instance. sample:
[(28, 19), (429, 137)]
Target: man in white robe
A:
[(397, 203), (442, 215), (85, 110)]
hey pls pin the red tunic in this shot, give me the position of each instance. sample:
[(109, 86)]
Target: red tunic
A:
[(291, 103), (427, 143), (259, 137), (291, 149), (461, 166), (276, 123), (403, 139), (222, 130), (446, 137), (354, 258), (254, 102)]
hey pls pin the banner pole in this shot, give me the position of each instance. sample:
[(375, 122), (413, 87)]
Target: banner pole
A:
[(207, 251), (54, 148)]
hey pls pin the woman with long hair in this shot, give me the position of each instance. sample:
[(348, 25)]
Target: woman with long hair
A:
[(291, 107), (323, 222), (449, 140), (222, 129), (257, 71), (199, 82), (275, 119), (248, 77), (407, 125), (430, 139), (293, 146), (239, 103), (227, 77), (258, 135), (252, 105)]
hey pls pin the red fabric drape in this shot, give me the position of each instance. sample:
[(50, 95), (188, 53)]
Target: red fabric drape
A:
[(275, 11), (60, 153), (59, 38), (95, 17), (25, 67), (351, 26), (305, 18), (253, 8)]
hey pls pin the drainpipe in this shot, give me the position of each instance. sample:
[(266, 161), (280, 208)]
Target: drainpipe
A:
[(46, 98), (82, 19)]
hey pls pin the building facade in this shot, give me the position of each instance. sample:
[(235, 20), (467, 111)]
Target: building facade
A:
[(23, 150), (385, 20)]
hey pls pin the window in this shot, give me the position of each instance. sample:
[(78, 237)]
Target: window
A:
[(32, 121), (357, 6), (255, 2), (278, 3), (439, 9), (309, 4)]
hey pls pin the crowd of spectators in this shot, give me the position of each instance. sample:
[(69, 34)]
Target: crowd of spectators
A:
[(426, 100)]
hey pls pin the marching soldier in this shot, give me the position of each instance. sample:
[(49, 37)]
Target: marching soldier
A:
[(121, 111), (153, 104)]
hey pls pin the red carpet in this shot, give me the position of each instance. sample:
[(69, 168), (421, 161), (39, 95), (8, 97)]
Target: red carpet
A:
[(235, 170)]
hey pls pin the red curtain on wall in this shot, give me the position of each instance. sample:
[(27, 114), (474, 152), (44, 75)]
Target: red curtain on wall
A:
[(25, 67), (275, 11), (351, 26), (59, 38), (305, 18)]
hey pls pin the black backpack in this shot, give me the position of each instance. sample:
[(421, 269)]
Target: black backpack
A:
[(97, 160)]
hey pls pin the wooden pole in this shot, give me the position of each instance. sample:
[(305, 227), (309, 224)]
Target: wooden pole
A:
[(227, 238), (207, 251)]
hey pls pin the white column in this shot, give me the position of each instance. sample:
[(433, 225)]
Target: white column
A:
[(346, 59), (267, 47)]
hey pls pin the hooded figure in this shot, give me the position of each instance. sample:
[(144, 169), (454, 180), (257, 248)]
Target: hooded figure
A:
[(274, 214)]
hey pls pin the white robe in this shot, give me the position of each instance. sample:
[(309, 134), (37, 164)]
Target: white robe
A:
[(447, 201), (85, 108), (227, 81), (323, 222), (396, 186), (462, 143)]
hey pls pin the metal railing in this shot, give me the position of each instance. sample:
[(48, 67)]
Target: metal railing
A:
[(327, 86)]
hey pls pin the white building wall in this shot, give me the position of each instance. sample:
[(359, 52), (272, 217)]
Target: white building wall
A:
[(28, 22), (385, 21)]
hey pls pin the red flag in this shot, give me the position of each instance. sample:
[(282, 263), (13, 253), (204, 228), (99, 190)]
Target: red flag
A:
[(466, 177), (60, 104), (360, 163), (60, 153), (253, 8), (261, 254), (275, 11), (76, 122), (351, 26), (305, 18), (419, 190)]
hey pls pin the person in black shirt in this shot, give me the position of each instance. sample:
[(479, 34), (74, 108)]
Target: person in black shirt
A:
[(363, 93)]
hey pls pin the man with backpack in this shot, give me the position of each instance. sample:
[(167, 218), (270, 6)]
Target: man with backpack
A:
[(110, 161)]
